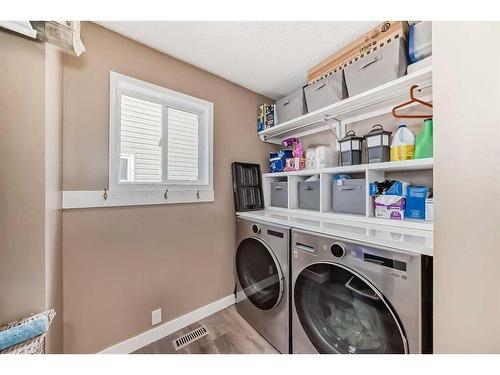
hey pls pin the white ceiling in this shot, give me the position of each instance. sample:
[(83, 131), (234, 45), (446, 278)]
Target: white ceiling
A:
[(270, 58)]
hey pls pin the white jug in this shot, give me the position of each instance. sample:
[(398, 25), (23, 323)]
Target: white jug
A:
[(403, 144)]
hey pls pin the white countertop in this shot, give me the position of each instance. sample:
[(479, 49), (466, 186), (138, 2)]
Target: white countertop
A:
[(412, 240)]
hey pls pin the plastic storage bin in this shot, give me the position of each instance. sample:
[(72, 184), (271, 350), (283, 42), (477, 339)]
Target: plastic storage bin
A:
[(247, 187), (420, 41), (326, 91), (279, 194), (349, 196), (291, 106), (381, 66), (309, 195)]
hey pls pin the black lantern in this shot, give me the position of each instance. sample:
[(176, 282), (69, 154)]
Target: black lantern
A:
[(350, 149), (378, 144)]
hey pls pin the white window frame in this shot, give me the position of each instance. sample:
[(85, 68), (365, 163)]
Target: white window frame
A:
[(122, 84), (130, 164)]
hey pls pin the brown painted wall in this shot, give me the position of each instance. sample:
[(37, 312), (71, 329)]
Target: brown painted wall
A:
[(22, 120), (122, 263)]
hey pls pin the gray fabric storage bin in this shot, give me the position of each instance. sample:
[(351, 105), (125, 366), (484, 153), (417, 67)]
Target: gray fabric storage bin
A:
[(291, 106), (309, 195), (349, 197), (376, 68), (279, 194), (326, 91)]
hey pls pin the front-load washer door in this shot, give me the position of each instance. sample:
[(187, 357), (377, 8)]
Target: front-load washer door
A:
[(341, 312), (259, 273)]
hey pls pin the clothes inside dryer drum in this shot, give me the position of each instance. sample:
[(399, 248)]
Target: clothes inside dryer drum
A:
[(258, 274), (340, 313)]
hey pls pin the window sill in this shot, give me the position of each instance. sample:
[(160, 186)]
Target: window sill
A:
[(117, 198)]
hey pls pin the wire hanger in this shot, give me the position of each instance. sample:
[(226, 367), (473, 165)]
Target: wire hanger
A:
[(409, 102)]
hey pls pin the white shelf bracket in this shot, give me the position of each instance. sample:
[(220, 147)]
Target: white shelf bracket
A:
[(337, 128), (274, 141), (340, 131)]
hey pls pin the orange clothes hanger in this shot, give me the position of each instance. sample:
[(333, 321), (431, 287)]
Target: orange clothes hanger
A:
[(409, 102)]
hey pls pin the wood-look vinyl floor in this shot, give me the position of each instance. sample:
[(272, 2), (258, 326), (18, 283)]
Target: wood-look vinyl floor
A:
[(228, 333)]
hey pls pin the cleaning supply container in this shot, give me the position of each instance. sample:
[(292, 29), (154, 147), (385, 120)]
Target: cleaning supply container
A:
[(403, 144), (423, 142)]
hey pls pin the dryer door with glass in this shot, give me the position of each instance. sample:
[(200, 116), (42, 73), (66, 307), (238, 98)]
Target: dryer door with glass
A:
[(341, 312), (259, 273)]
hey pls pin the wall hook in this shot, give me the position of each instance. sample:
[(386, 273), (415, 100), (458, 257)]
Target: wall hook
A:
[(105, 195), (198, 194), (166, 194)]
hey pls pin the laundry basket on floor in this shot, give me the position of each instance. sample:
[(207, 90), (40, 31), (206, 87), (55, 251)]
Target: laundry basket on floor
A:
[(35, 345)]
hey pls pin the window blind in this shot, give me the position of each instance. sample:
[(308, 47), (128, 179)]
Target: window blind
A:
[(183, 146), (140, 136)]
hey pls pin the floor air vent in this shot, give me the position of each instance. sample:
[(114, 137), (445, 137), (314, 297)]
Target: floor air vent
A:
[(188, 338)]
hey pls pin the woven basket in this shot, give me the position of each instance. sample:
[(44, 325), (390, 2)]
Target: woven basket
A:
[(36, 345)]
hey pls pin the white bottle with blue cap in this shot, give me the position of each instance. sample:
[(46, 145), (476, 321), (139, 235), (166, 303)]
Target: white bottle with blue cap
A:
[(403, 144)]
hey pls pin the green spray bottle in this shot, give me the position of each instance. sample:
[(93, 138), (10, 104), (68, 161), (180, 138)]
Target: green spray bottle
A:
[(423, 142)]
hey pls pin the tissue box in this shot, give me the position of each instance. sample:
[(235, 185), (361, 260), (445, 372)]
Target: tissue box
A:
[(277, 160), (390, 207), (295, 164), (416, 197)]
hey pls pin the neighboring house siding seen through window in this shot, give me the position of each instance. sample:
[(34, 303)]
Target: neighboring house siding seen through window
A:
[(159, 140), (140, 136)]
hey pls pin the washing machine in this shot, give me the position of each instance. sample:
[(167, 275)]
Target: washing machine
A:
[(262, 282), (350, 297)]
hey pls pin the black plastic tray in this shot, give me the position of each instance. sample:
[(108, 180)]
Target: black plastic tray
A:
[(247, 187)]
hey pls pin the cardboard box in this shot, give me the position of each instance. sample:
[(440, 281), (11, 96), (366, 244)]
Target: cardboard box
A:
[(429, 209), (270, 116), (397, 188), (261, 117), (295, 164), (361, 46), (390, 207), (277, 160), (416, 197)]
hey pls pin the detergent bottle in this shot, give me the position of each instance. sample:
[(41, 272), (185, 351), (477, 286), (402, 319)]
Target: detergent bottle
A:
[(403, 144), (423, 143)]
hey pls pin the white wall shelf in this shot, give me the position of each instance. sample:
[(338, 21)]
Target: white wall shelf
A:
[(391, 166), (375, 102), (370, 172)]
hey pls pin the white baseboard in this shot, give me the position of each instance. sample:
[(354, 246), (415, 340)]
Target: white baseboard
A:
[(143, 339)]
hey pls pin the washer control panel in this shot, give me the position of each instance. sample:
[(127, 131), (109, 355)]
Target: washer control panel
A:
[(256, 229), (337, 249)]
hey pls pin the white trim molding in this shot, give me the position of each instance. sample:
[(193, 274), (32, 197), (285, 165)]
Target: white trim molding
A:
[(146, 338), (117, 198)]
